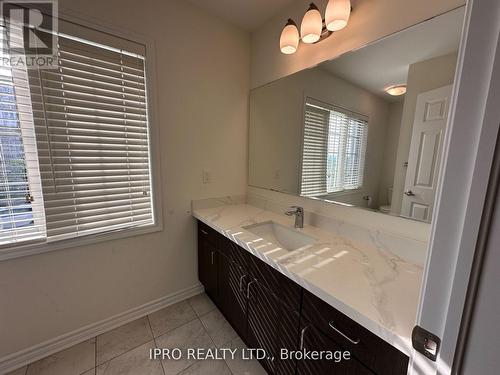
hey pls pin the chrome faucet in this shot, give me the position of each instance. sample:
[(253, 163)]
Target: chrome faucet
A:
[(299, 216)]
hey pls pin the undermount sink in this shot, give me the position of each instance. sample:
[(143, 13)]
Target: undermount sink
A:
[(280, 235)]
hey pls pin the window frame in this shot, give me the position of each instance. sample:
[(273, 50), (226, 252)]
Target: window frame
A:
[(310, 98), (41, 246)]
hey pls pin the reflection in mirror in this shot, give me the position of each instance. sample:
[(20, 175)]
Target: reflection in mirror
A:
[(338, 133)]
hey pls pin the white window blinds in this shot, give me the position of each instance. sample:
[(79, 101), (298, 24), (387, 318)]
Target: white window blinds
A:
[(21, 203), (91, 125), (334, 146), (314, 151)]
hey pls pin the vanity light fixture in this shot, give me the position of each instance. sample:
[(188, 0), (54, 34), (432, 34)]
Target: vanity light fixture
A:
[(396, 90), (314, 28), (337, 14), (312, 25), (289, 40)]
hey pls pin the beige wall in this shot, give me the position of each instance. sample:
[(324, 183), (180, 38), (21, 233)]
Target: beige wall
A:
[(391, 149), (370, 20), (202, 96), (422, 76), (276, 124)]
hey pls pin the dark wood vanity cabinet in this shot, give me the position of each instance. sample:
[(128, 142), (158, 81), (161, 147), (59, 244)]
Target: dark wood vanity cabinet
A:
[(364, 346), (207, 260), (270, 311), (271, 326), (263, 313), (231, 298), (312, 339)]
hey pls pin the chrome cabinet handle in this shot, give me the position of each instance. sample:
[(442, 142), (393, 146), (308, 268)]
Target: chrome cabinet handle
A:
[(409, 193), (332, 326), (248, 288), (302, 333), (241, 282), (212, 256), (204, 232)]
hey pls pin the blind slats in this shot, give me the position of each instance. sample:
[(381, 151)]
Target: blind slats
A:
[(91, 126), (334, 146)]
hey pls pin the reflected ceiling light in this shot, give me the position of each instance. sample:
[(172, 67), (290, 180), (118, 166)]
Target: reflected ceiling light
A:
[(312, 24), (289, 40), (337, 14), (396, 90), (313, 28)]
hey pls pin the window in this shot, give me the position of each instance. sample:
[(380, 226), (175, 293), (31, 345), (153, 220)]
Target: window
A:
[(21, 215), (91, 156), (334, 148)]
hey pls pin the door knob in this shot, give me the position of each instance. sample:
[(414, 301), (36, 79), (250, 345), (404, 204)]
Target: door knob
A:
[(409, 193)]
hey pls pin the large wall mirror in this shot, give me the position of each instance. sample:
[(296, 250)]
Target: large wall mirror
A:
[(337, 132)]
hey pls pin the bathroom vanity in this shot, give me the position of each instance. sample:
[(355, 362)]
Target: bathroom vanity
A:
[(362, 159), (330, 293)]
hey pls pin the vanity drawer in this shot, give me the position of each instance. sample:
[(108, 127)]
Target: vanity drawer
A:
[(277, 283), (205, 233), (234, 252), (284, 288), (372, 351)]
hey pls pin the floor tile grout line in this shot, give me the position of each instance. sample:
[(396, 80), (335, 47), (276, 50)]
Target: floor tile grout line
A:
[(96, 364), (125, 352), (170, 330), (155, 344), (211, 339), (154, 340), (215, 346), (207, 312), (196, 312), (230, 340), (197, 318)]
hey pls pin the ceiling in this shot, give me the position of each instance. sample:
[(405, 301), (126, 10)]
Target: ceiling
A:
[(386, 62), (246, 14)]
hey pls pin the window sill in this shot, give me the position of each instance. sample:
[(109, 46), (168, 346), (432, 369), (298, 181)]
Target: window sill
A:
[(19, 251), (342, 192)]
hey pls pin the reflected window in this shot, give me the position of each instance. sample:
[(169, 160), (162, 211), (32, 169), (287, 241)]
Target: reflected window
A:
[(334, 148)]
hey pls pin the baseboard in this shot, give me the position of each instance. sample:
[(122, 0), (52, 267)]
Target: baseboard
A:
[(22, 358)]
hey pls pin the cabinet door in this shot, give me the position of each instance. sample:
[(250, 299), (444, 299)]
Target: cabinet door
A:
[(231, 298), (311, 339), (263, 322), (207, 267), (288, 339), (271, 326)]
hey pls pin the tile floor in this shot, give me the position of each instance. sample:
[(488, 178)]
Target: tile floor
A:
[(194, 323)]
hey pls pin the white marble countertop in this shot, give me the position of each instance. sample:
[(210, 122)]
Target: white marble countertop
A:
[(356, 272)]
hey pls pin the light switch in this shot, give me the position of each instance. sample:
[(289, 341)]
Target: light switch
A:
[(206, 176)]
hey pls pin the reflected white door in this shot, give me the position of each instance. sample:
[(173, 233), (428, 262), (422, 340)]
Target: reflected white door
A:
[(429, 124)]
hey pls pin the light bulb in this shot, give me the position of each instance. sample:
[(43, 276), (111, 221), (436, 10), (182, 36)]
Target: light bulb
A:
[(311, 26), (337, 14), (289, 39)]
